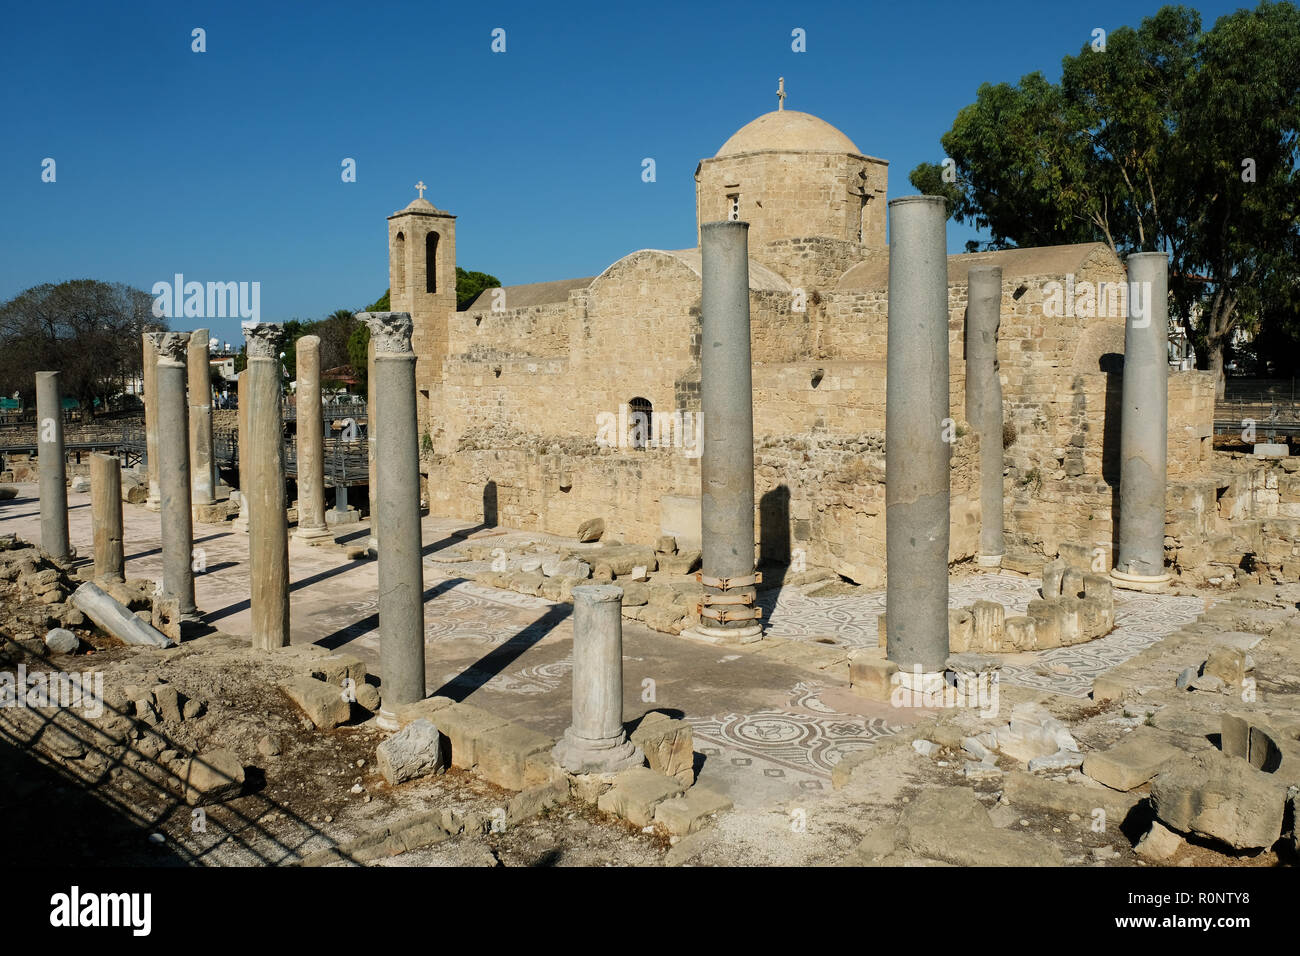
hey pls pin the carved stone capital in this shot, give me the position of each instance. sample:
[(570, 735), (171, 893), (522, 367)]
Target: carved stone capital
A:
[(263, 340), (172, 346), (390, 331)]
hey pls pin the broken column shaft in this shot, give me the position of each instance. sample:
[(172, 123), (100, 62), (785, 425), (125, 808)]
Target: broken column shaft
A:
[(202, 474), (727, 612), (149, 382), (984, 401), (310, 443), (916, 452), (106, 517), (53, 468), (268, 530), (174, 470), (1144, 425), (401, 564), (596, 742)]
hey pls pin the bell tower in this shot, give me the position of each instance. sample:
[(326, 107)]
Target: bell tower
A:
[(422, 281)]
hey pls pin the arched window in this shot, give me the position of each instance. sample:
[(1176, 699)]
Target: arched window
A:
[(431, 262), (640, 413), (399, 265)]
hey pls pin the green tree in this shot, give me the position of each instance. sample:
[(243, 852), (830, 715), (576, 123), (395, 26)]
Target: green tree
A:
[(358, 352), (1173, 139), (87, 329), (470, 284)]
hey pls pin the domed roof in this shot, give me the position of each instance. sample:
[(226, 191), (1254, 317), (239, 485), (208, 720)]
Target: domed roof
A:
[(788, 130)]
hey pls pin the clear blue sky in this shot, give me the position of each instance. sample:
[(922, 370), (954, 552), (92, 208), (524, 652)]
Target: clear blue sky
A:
[(225, 165)]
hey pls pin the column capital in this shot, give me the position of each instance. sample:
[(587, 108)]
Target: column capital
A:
[(263, 339), (390, 331), (172, 346)]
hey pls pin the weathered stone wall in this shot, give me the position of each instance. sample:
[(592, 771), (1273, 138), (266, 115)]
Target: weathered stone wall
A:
[(801, 194)]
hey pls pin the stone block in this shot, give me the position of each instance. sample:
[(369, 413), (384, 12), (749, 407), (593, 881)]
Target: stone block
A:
[(1018, 634), (1028, 791), (1226, 663), (1077, 556), (324, 704), (210, 777), (636, 793), (950, 824), (989, 621), (591, 529), (465, 725), (668, 744), (1067, 611), (1072, 583), (427, 708), (416, 750), (683, 562), (667, 544), (1131, 762), (1158, 843), (1094, 621), (168, 702), (1099, 586), (1214, 795), (335, 668), (502, 753), (961, 630), (871, 676), (690, 812)]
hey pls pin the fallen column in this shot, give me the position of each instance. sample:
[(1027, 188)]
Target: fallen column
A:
[(916, 454), (310, 444), (53, 468), (106, 517), (149, 376), (984, 401), (202, 473), (596, 741), (401, 564), (174, 467), (115, 619), (727, 611), (1144, 427), (268, 529), (242, 447)]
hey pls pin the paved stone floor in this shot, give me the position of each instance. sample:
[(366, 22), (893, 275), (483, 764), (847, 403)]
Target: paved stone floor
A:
[(767, 732)]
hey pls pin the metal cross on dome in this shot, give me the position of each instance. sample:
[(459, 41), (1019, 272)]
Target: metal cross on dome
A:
[(421, 187)]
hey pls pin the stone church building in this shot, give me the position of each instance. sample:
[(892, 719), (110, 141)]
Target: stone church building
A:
[(550, 403)]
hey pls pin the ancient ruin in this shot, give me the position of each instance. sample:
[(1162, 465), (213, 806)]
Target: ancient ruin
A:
[(809, 544)]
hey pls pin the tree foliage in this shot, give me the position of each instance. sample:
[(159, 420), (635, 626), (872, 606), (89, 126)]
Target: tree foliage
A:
[(1171, 138), (86, 329)]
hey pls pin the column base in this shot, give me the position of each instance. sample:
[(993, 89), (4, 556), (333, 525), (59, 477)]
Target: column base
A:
[(313, 535), (610, 755), (387, 720), (1148, 583), (921, 682), (335, 517), (749, 634), (241, 524), (989, 560)]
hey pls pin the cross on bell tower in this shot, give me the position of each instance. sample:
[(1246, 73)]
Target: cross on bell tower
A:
[(780, 93), (421, 187)]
